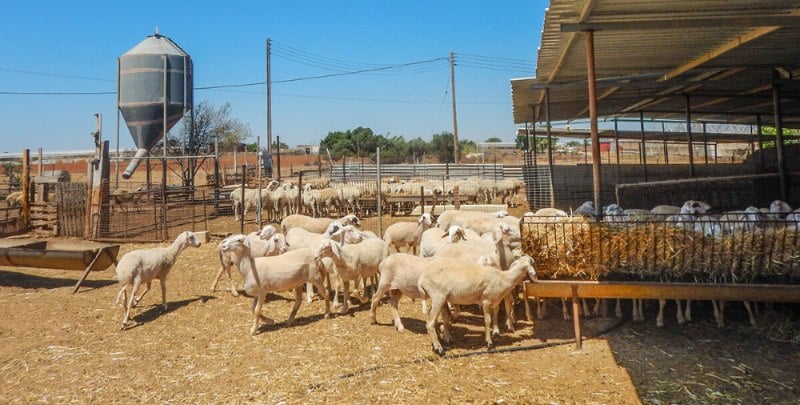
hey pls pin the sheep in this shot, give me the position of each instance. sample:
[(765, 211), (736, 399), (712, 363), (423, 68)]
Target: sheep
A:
[(262, 243), (353, 261), (433, 238), (143, 265), (351, 195), (460, 282), (14, 199), (779, 209), (664, 210), (407, 234), (122, 197), (586, 209), (316, 225), (289, 271), (250, 199), (458, 217), (399, 276)]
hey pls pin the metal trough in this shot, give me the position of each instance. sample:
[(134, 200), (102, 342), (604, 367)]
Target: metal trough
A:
[(64, 255)]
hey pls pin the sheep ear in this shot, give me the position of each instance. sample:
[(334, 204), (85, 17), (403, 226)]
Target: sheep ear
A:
[(446, 234), (335, 248), (498, 235)]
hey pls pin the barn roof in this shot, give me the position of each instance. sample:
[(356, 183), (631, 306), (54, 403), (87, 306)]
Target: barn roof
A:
[(722, 57)]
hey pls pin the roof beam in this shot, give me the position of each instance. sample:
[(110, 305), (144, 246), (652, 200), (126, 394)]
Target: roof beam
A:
[(774, 21)]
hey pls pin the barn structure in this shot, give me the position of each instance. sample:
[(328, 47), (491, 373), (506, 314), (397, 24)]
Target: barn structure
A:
[(708, 64)]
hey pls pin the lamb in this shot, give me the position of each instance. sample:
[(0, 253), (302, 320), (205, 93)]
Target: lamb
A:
[(250, 198), (316, 225), (407, 234), (353, 261), (262, 243), (433, 238), (460, 282), (779, 209), (262, 275), (14, 199), (143, 266)]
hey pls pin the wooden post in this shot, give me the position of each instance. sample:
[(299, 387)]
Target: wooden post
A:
[(576, 317), (592, 84), (26, 185)]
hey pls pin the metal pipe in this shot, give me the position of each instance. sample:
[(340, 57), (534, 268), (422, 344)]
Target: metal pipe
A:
[(549, 148), (689, 135), (644, 145), (776, 106), (137, 158), (592, 87), (760, 135), (705, 144)]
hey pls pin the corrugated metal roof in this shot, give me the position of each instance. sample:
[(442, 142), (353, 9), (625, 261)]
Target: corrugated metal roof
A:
[(651, 55)]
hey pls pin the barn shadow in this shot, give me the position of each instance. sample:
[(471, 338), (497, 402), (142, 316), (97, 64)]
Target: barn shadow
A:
[(698, 362), (25, 280)]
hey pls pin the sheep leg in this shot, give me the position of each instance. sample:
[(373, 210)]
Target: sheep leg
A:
[(394, 300), (719, 314), (679, 315), (541, 308), (618, 308), (509, 307), (564, 309), (298, 299), (325, 297), (163, 293), (687, 314), (446, 322), (256, 309), (137, 300), (749, 309), (135, 287), (373, 308), (660, 317), (309, 293), (123, 293), (345, 296), (596, 309), (487, 324), (495, 316), (585, 307), (437, 303)]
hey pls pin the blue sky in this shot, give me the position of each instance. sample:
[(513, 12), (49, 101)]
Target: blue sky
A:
[(73, 46)]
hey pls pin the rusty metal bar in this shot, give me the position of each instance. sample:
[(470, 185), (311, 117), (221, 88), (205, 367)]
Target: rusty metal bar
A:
[(689, 134), (776, 105), (653, 290), (576, 317), (644, 145), (592, 87)]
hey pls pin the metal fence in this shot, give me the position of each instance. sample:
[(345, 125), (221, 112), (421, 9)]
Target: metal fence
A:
[(711, 250)]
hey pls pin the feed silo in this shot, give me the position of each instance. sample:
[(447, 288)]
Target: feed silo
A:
[(155, 91)]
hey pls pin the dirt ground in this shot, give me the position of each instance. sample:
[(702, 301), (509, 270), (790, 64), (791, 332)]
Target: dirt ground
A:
[(56, 346)]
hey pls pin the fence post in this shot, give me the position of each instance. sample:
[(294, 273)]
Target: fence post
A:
[(379, 193), (300, 192)]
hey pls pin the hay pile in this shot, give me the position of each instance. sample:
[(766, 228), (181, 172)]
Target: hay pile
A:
[(575, 248)]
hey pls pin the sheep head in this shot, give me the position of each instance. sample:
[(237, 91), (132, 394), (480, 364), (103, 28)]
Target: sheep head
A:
[(277, 243), (189, 239), (426, 219), (235, 243), (526, 262), (695, 207), (780, 207), (267, 232), (350, 219), (327, 248), (454, 234)]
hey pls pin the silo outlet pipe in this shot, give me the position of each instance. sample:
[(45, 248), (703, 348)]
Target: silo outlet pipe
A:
[(137, 158)]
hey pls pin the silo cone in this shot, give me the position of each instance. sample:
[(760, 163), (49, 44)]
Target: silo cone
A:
[(145, 71)]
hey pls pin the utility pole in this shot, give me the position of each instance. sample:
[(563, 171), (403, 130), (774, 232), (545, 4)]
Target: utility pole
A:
[(453, 92), (269, 100)]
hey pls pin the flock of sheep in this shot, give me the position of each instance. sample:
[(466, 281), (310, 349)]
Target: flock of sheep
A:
[(463, 258), (696, 216), (320, 197)]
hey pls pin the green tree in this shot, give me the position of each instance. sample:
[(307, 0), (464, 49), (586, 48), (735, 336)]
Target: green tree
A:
[(494, 139), (416, 149), (539, 142), (442, 146)]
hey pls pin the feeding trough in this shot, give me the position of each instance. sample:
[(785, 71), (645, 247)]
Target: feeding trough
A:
[(64, 255)]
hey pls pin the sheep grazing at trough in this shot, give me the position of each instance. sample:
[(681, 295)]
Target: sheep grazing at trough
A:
[(316, 225), (460, 282), (14, 199), (586, 209), (143, 266), (778, 210), (262, 275), (265, 242), (407, 234), (352, 262), (434, 238)]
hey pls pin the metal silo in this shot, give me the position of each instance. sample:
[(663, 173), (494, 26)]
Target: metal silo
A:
[(155, 91)]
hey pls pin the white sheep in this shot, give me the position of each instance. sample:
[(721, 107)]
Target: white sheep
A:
[(586, 209), (407, 234), (250, 199), (399, 276), (434, 238), (779, 209), (143, 266), (460, 282), (353, 261), (262, 275), (14, 199), (316, 225), (265, 242), (459, 217)]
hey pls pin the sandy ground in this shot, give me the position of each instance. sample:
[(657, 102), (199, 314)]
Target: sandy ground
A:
[(59, 347)]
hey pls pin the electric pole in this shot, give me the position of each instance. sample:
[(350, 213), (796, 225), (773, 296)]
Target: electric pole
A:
[(269, 101), (453, 92)]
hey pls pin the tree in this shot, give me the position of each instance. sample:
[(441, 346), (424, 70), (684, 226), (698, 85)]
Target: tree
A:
[(211, 124), (539, 142), (416, 149), (494, 139), (442, 146)]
